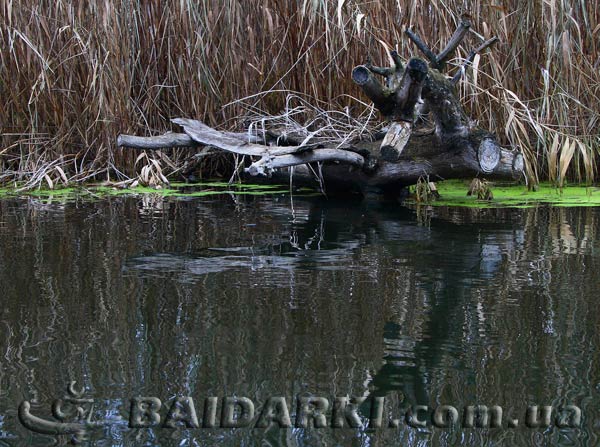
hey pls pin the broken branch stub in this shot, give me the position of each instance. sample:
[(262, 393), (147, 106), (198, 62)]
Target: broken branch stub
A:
[(363, 76), (408, 93), (395, 141), (396, 101)]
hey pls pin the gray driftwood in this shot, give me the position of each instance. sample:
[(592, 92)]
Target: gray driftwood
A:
[(454, 148)]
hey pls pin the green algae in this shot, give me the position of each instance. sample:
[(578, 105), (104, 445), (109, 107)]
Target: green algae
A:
[(454, 193)]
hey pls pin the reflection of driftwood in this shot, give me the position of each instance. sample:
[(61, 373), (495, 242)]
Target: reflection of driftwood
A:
[(454, 149)]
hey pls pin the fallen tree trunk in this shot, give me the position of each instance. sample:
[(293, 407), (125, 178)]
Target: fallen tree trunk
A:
[(423, 157), (434, 164), (454, 148)]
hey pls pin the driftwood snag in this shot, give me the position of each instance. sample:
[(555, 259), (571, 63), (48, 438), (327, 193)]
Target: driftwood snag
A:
[(411, 94)]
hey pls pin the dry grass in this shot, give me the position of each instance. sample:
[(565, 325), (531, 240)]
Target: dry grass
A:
[(75, 74)]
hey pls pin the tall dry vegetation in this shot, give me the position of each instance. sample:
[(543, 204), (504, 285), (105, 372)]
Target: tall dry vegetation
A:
[(75, 74)]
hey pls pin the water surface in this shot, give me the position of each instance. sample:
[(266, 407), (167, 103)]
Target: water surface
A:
[(261, 297)]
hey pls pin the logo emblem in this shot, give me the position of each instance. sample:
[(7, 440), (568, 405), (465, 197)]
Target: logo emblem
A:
[(73, 414)]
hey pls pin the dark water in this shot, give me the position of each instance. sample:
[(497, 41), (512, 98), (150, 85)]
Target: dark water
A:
[(263, 297)]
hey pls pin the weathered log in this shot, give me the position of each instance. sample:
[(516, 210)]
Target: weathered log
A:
[(425, 157), (488, 154), (460, 163), (158, 142), (397, 60), (203, 134), (422, 156), (397, 100), (454, 149), (173, 139), (511, 164)]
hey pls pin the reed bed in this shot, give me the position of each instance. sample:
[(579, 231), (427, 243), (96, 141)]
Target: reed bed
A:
[(73, 75)]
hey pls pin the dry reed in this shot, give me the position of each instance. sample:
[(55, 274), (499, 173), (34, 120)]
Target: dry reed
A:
[(75, 74)]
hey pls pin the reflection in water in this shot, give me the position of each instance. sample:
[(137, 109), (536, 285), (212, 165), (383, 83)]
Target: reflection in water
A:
[(260, 298)]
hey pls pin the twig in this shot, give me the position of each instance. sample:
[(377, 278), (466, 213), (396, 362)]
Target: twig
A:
[(471, 57)]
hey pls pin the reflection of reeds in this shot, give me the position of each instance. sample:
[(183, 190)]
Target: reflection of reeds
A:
[(462, 325), (74, 75)]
